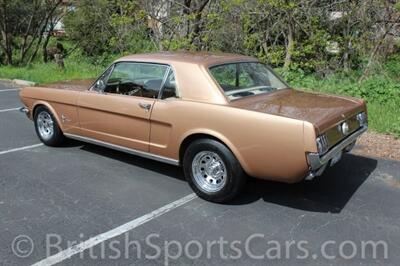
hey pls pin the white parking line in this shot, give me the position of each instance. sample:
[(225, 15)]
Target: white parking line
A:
[(8, 110), (9, 90), (91, 242), (22, 148)]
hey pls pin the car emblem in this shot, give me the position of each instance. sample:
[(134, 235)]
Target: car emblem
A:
[(344, 128), (64, 119)]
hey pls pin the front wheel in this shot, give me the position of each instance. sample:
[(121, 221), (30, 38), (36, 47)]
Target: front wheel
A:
[(212, 170), (47, 128)]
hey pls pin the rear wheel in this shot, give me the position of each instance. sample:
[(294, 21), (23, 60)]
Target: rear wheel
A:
[(212, 170), (47, 128)]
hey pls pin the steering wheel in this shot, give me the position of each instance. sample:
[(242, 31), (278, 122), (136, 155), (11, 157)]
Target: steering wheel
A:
[(134, 89), (135, 92)]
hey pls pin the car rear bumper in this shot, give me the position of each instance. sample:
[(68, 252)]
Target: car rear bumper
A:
[(317, 163)]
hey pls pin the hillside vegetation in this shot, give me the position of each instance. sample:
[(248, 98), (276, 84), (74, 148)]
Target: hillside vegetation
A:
[(342, 47)]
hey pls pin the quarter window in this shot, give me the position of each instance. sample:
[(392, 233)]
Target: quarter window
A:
[(169, 88), (136, 79)]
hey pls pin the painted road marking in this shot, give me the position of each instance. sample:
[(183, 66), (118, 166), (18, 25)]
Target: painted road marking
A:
[(9, 90), (91, 242), (22, 148), (8, 110)]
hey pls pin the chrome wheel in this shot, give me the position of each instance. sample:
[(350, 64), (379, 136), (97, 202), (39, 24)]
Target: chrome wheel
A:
[(45, 125), (209, 171)]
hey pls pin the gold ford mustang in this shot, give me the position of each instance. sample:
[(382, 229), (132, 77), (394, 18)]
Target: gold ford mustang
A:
[(219, 116)]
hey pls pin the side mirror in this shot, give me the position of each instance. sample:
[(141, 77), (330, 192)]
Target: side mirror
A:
[(100, 85)]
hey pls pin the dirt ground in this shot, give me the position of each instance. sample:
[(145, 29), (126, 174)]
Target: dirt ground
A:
[(378, 145)]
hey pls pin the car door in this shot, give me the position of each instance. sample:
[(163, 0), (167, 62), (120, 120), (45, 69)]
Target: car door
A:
[(117, 108), (165, 122)]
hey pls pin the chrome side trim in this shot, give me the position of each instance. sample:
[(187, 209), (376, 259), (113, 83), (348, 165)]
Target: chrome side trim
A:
[(316, 161), (124, 149)]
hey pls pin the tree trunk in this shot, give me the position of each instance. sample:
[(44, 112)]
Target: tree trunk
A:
[(7, 47), (24, 48), (5, 34), (346, 57), (39, 42), (186, 11), (290, 44), (9, 56), (197, 25), (374, 53), (46, 42), (48, 18)]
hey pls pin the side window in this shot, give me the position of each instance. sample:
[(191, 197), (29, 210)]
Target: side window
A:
[(169, 88), (136, 79)]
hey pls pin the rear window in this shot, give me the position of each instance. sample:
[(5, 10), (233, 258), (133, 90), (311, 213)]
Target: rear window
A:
[(245, 79)]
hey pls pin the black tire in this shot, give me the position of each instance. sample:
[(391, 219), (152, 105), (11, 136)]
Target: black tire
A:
[(235, 176), (57, 137)]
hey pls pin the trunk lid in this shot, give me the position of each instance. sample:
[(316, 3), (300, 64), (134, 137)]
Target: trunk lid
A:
[(322, 110)]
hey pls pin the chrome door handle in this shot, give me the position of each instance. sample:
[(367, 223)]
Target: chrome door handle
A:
[(145, 106)]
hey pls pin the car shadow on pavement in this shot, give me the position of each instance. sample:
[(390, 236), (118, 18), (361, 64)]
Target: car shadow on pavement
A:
[(161, 168), (70, 143), (327, 193)]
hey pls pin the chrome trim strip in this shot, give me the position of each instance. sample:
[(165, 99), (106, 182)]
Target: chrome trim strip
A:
[(124, 149), (314, 159)]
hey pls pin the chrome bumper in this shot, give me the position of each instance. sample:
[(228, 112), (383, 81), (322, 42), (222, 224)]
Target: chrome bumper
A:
[(24, 110), (316, 162)]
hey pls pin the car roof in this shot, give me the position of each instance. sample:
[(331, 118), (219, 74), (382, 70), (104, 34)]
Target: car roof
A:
[(199, 58)]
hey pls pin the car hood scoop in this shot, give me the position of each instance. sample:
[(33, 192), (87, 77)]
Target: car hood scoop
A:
[(321, 110)]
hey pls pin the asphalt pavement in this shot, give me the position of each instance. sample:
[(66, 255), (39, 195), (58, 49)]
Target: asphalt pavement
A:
[(86, 205)]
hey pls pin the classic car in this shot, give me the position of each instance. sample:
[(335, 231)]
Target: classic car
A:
[(222, 117)]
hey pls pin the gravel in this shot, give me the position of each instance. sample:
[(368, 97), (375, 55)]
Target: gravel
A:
[(378, 145)]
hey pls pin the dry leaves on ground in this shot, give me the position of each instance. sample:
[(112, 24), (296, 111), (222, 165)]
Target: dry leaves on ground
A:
[(378, 145)]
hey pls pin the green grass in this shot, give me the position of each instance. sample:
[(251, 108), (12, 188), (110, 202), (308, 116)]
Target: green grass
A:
[(385, 118), (50, 72), (381, 90)]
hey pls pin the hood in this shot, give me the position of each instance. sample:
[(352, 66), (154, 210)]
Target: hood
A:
[(78, 84), (322, 110)]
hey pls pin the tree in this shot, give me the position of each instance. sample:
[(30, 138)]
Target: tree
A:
[(315, 36), (22, 25), (106, 26)]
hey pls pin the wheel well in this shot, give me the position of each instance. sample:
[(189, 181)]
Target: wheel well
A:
[(189, 139), (35, 108)]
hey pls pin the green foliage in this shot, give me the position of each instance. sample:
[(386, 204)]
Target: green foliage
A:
[(88, 26), (319, 52), (397, 6), (108, 27), (381, 90)]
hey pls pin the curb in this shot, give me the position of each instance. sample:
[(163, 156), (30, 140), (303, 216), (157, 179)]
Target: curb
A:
[(6, 80), (21, 82)]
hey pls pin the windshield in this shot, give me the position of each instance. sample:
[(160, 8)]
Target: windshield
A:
[(245, 79)]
